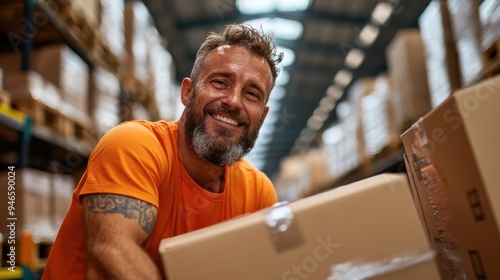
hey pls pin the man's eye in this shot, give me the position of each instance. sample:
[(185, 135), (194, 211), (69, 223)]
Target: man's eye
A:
[(219, 83), (253, 95)]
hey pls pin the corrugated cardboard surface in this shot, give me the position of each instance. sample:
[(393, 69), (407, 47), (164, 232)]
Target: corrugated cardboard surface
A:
[(453, 162), (368, 221)]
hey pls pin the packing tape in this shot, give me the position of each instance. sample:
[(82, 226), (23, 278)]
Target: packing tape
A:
[(283, 229)]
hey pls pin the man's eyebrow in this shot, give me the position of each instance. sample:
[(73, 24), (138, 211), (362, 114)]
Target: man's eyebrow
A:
[(224, 74), (220, 74)]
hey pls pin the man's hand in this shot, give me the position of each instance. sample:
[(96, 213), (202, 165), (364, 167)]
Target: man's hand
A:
[(115, 227)]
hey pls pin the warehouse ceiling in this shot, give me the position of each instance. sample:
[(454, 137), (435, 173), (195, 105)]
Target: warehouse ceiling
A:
[(334, 43)]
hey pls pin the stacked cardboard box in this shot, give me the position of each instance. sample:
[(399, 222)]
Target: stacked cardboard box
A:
[(88, 9), (31, 207), (464, 16), (104, 100), (370, 226), (137, 22), (162, 75), (63, 68), (489, 14), (112, 26), (407, 67), (452, 156)]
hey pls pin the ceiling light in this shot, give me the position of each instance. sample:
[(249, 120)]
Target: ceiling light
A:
[(314, 123), (320, 115), (277, 93), (335, 91), (327, 104), (266, 6), (382, 12), (282, 78), (249, 7), (280, 28), (292, 5), (343, 78), (354, 58), (368, 34)]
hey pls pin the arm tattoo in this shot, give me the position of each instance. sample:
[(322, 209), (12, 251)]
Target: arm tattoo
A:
[(130, 208)]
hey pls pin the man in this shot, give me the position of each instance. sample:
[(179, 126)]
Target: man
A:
[(146, 181)]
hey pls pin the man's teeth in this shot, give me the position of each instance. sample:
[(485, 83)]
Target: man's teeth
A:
[(226, 120)]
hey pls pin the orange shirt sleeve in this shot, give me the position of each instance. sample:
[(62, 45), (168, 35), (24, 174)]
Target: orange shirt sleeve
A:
[(128, 161)]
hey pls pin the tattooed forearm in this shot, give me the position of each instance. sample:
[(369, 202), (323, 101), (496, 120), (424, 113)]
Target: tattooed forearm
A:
[(130, 208)]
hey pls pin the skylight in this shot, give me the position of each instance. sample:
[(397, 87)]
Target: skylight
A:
[(250, 7), (280, 28)]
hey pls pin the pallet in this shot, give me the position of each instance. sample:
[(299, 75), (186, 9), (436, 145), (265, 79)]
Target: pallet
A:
[(44, 115), (491, 58)]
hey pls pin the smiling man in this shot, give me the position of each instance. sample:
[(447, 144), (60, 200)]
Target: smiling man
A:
[(146, 181)]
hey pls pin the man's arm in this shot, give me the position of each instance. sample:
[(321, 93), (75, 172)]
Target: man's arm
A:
[(115, 227)]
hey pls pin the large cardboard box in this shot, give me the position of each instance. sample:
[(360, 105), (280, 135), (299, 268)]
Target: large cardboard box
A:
[(31, 198), (453, 157), (372, 222), (407, 67)]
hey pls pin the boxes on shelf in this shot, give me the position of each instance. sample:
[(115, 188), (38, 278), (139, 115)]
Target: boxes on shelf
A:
[(137, 22), (292, 182), (112, 26), (62, 191), (408, 70), (452, 161), (161, 66), (89, 10), (464, 17), (104, 100), (443, 72), (489, 14), (59, 65), (41, 100), (30, 201), (373, 221), (62, 67)]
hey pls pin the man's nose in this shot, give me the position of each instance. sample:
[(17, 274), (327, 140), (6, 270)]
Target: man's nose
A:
[(233, 99)]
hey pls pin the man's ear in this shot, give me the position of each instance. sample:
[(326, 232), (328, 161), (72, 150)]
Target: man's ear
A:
[(186, 90), (264, 115)]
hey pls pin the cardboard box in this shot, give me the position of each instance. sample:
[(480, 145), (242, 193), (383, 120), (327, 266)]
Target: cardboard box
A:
[(32, 202), (104, 100), (58, 65), (453, 157), (370, 221), (408, 70), (62, 193), (137, 22), (112, 25)]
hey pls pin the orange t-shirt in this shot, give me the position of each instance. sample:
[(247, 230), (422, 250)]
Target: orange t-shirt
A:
[(140, 159)]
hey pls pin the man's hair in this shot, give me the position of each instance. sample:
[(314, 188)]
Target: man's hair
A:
[(242, 35)]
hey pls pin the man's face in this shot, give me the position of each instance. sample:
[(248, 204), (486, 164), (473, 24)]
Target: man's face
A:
[(226, 107)]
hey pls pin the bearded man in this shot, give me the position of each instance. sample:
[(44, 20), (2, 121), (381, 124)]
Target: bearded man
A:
[(146, 181)]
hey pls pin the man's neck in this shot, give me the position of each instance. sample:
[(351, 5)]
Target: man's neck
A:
[(206, 175)]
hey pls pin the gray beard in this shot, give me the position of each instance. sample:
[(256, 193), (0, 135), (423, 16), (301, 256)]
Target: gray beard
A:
[(219, 154)]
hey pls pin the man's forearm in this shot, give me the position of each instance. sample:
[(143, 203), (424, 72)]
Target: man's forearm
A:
[(124, 260)]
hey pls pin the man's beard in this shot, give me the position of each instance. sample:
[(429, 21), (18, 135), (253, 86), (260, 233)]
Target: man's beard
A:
[(217, 150)]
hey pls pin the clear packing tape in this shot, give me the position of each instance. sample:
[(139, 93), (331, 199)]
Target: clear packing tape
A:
[(363, 270), (438, 194)]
